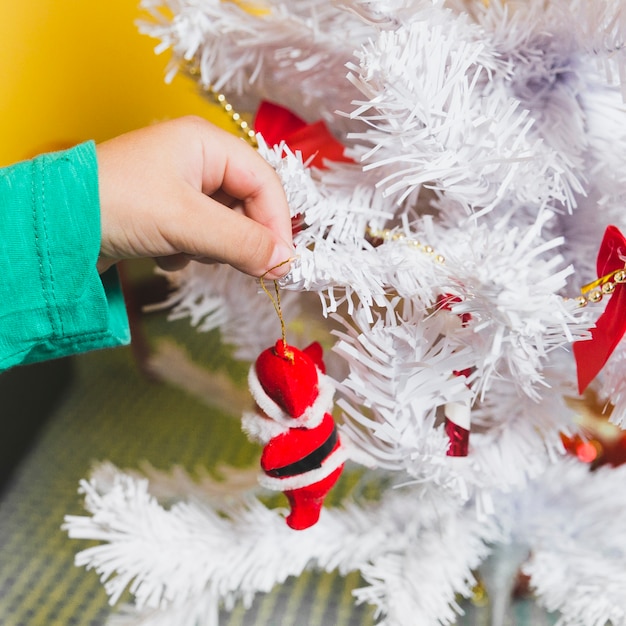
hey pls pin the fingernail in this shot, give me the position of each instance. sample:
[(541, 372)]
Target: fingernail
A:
[(280, 261)]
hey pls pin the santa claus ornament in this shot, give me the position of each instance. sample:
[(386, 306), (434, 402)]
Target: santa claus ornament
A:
[(458, 415), (302, 455)]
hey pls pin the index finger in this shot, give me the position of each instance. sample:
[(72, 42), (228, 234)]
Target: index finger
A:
[(247, 177)]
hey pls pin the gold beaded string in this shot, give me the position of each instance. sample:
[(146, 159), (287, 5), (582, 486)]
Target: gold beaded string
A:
[(275, 299), (243, 128), (392, 235), (594, 292), (591, 293), (241, 125)]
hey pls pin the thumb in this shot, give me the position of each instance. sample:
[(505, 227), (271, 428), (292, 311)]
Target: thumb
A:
[(219, 233)]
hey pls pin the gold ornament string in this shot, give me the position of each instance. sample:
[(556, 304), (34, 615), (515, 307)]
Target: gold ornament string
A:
[(276, 302)]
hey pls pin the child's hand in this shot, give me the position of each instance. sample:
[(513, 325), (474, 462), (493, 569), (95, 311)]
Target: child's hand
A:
[(166, 192)]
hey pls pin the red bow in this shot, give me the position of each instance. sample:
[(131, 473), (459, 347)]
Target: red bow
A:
[(314, 141), (592, 355)]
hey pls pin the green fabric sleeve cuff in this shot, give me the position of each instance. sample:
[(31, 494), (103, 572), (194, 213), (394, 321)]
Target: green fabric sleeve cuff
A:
[(53, 301)]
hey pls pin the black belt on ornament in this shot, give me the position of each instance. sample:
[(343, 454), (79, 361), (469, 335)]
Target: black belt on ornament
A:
[(309, 462)]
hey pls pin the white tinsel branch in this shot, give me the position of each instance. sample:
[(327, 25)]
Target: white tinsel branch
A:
[(571, 521), (191, 555), (239, 44)]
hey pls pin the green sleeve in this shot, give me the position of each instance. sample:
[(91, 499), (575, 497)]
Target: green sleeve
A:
[(53, 302)]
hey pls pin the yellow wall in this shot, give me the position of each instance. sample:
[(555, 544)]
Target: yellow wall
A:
[(79, 69)]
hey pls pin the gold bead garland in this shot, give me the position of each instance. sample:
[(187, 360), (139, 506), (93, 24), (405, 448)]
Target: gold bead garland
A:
[(591, 293), (243, 127), (604, 286), (391, 235)]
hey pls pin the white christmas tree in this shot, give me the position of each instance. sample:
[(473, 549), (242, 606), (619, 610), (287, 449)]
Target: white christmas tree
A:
[(486, 155)]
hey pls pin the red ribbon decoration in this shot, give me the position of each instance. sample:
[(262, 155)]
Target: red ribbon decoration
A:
[(592, 355), (314, 141)]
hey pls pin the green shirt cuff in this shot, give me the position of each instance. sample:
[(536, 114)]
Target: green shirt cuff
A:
[(54, 303)]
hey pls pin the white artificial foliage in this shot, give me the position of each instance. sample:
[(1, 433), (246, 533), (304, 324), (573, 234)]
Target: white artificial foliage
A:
[(487, 147), (393, 418), (438, 114), (573, 516), (613, 386), (240, 548), (235, 48)]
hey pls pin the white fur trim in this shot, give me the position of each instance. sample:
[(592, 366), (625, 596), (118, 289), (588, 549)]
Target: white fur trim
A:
[(329, 465), (261, 429), (313, 415), (459, 413)]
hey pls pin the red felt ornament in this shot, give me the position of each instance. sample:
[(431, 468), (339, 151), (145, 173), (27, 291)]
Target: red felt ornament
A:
[(314, 141), (592, 355), (302, 455), (457, 428), (457, 414)]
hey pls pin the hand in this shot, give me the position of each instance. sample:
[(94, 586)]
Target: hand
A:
[(166, 192)]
